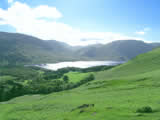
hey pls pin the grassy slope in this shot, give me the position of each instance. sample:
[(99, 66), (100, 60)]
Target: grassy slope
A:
[(141, 64), (116, 93)]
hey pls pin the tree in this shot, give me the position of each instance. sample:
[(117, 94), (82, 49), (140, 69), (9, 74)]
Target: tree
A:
[(65, 79), (91, 77)]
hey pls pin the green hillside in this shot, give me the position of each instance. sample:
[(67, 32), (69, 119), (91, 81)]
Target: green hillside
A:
[(141, 64), (126, 92), (24, 49), (117, 50)]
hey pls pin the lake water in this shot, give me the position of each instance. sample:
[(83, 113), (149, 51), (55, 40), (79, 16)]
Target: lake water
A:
[(78, 64)]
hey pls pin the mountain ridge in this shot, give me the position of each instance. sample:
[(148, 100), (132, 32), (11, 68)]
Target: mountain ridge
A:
[(16, 48)]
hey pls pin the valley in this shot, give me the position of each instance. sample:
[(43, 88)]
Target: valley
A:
[(120, 93), (79, 60)]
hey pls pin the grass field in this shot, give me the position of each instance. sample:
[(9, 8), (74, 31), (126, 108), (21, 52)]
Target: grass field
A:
[(116, 95), (76, 76)]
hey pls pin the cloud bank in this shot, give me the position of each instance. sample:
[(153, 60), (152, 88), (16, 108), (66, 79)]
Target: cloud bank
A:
[(41, 22)]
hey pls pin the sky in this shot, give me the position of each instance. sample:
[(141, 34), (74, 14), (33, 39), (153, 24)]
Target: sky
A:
[(82, 22)]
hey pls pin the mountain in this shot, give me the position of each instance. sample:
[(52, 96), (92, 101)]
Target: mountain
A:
[(117, 50), (24, 49), (19, 48)]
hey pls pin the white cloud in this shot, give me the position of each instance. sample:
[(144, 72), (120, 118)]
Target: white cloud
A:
[(140, 32), (102, 37), (41, 22), (10, 1), (45, 11), (143, 32)]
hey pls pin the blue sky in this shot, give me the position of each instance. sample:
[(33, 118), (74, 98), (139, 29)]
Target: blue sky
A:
[(82, 21)]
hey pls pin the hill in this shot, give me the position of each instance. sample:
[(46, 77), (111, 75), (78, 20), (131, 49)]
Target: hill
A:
[(18, 48), (23, 49), (128, 91), (144, 63), (117, 50)]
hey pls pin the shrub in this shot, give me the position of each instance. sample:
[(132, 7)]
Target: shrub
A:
[(146, 109), (91, 77)]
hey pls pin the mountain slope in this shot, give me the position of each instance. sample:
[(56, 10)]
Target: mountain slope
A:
[(23, 49), (117, 50), (19, 48), (144, 63)]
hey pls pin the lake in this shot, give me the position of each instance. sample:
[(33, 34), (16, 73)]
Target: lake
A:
[(78, 64)]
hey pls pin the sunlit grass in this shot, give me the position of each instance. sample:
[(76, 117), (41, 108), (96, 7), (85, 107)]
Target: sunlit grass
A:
[(116, 95)]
